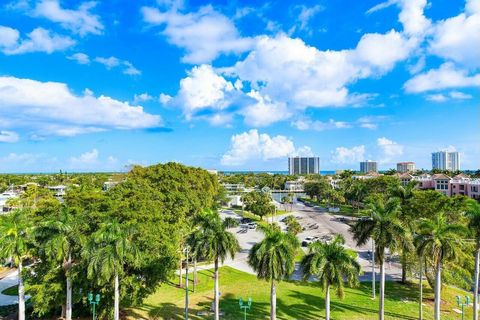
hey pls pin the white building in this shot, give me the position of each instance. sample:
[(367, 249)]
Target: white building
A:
[(446, 160), (403, 167), (296, 185)]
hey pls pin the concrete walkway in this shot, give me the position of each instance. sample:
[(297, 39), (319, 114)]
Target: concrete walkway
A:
[(11, 279)]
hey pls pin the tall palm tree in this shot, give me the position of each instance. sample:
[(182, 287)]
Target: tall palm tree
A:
[(405, 194), (216, 243), (331, 263), (473, 213), (387, 230), (110, 248), (439, 239), (60, 234), (274, 259), (15, 235)]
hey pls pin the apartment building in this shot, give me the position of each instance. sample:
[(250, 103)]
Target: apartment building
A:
[(303, 165), (368, 166), (446, 160), (403, 167)]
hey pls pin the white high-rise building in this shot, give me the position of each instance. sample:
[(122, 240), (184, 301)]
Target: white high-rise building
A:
[(368, 166), (303, 165), (446, 160)]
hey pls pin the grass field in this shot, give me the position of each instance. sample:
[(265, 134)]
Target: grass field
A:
[(295, 300), (11, 291)]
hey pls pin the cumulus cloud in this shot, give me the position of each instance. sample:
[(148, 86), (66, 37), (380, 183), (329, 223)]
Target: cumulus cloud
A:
[(440, 97), (316, 125), (142, 97), (445, 77), (255, 146), (109, 62), (343, 155), (88, 157), (204, 35), (49, 108), (390, 149), (39, 40), (458, 38), (80, 21), (80, 58), (8, 136), (306, 14), (264, 111), (113, 62)]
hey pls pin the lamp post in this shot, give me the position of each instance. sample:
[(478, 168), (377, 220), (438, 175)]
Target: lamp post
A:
[(462, 304), (187, 249), (245, 305), (93, 303)]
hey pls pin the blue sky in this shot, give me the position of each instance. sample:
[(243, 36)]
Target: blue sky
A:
[(237, 85)]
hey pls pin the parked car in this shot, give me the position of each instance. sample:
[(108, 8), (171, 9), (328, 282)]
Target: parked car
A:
[(309, 240), (252, 225)]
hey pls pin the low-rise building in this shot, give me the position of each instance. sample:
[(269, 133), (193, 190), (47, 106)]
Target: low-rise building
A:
[(234, 187), (59, 191), (296, 185), (403, 167)]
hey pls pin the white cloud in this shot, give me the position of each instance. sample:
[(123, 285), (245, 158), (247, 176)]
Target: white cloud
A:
[(142, 97), (113, 62), (49, 108), (343, 155), (203, 89), (80, 58), (390, 149), (39, 40), (253, 146), (80, 21), (109, 62), (458, 38), (8, 136), (307, 13), (164, 98), (204, 35), (264, 111), (89, 157), (309, 124), (439, 97), (445, 77)]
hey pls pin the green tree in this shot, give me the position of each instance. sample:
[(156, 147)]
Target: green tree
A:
[(259, 203), (387, 231), (59, 236), (273, 259), (15, 240), (473, 213), (405, 193), (110, 248), (331, 263), (216, 243), (441, 240)]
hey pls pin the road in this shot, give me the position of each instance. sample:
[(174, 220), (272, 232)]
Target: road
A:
[(317, 222)]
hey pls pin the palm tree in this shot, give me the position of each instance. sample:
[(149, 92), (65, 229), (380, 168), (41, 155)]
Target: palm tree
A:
[(110, 248), (473, 213), (331, 263), (274, 259), (387, 230), (439, 239), (15, 234), (405, 194), (216, 243), (60, 234)]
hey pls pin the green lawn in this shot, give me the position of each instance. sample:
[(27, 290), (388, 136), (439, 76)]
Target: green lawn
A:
[(295, 300)]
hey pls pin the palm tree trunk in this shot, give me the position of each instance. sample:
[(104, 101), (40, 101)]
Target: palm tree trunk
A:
[(404, 267), (438, 289), (194, 274), (273, 301), (68, 313), (21, 293), (327, 302), (476, 284), (381, 306), (117, 299), (216, 302)]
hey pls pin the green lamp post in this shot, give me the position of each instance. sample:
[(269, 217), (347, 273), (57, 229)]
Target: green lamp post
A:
[(93, 302), (462, 304), (245, 305)]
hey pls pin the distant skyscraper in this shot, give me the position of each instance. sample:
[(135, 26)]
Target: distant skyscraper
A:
[(368, 166), (403, 167), (303, 165), (446, 160)]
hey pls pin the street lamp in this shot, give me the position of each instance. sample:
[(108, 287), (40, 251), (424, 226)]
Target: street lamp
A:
[(245, 305), (187, 249), (93, 303), (460, 303)]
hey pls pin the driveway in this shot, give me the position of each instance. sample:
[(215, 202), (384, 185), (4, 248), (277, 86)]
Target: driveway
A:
[(9, 280)]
